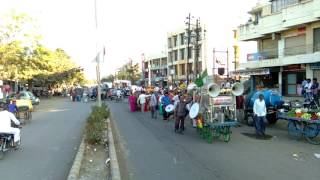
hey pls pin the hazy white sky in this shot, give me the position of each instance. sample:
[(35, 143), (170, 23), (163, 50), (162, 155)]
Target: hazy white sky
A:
[(127, 28)]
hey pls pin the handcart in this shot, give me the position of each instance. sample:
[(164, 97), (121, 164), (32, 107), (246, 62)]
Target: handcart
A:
[(24, 114), (299, 127), (216, 130)]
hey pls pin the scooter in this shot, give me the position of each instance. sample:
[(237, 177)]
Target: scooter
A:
[(7, 143)]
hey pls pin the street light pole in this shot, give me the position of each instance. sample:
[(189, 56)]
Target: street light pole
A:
[(196, 57), (97, 56), (188, 49)]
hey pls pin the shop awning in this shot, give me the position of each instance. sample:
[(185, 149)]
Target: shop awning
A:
[(250, 72)]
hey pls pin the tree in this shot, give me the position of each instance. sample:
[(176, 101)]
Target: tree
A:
[(109, 78), (23, 58)]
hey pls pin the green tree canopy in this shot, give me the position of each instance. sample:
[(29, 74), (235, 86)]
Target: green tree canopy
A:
[(23, 58)]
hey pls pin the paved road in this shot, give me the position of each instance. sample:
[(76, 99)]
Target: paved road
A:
[(152, 151), (49, 142)]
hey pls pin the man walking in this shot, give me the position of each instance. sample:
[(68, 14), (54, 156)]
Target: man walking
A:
[(165, 101), (142, 100), (180, 113), (260, 111), (153, 105)]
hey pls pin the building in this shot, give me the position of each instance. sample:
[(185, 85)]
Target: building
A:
[(156, 70), (287, 33), (178, 58)]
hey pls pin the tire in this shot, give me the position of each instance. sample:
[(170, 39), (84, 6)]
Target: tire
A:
[(294, 130), (1, 154), (272, 118)]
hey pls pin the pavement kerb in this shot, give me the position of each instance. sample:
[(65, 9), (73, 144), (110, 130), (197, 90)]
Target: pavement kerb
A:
[(75, 169), (114, 164)]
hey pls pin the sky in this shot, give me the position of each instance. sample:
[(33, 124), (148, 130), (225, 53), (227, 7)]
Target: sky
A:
[(127, 28)]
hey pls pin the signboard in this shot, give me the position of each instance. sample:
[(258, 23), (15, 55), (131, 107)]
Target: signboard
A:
[(172, 71), (250, 72), (294, 67), (254, 57)]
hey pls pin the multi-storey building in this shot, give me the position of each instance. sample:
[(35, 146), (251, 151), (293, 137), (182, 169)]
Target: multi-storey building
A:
[(157, 70), (287, 33), (179, 60)]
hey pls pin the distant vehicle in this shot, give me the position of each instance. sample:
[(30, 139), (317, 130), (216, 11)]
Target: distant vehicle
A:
[(26, 95)]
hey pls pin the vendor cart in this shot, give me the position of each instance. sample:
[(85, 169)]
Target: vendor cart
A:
[(299, 127), (216, 130), (24, 114)]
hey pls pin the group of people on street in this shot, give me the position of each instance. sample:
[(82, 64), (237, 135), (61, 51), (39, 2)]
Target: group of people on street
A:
[(157, 102), (310, 89)]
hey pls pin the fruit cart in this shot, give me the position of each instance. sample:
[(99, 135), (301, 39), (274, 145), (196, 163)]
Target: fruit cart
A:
[(302, 124)]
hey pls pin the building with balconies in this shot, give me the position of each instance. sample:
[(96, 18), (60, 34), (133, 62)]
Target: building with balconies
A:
[(287, 33), (157, 70), (178, 58)]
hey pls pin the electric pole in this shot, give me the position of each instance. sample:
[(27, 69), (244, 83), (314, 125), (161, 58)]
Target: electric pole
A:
[(188, 47)]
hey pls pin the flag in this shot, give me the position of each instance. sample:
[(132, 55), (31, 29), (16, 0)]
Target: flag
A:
[(199, 81)]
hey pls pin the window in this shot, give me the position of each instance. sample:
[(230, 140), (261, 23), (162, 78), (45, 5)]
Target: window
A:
[(169, 43), (295, 45), (278, 5), (181, 54), (175, 55), (175, 41), (183, 69), (175, 69), (190, 53), (316, 39), (190, 68), (170, 56), (182, 39)]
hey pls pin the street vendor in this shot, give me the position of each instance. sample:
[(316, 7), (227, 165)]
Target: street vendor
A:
[(260, 112)]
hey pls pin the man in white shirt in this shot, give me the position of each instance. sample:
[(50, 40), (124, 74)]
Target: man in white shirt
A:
[(260, 112), (142, 100), (5, 125)]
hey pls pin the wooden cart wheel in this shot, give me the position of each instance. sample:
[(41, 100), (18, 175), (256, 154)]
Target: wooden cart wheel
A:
[(210, 135), (294, 129), (311, 132), (226, 133), (1, 154)]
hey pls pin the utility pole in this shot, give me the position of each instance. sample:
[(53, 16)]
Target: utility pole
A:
[(196, 57), (188, 49), (227, 63), (97, 56)]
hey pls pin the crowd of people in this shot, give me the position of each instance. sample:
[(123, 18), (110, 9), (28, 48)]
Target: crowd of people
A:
[(171, 104)]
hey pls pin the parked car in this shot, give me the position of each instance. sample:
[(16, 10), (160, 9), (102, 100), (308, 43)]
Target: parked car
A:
[(27, 95)]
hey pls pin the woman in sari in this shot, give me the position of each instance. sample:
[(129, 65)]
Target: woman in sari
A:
[(132, 102)]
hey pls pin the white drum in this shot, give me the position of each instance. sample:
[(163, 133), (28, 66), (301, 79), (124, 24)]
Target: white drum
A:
[(169, 108), (194, 110)]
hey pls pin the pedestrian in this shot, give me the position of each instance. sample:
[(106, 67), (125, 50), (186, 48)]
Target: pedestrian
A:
[(303, 84), (132, 102), (181, 113), (165, 101), (154, 104), (314, 89), (142, 100), (260, 111)]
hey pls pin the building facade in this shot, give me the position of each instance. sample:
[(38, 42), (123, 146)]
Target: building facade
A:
[(180, 63), (157, 70), (287, 33)]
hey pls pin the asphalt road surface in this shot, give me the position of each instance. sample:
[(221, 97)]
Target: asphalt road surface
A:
[(49, 142), (150, 150)]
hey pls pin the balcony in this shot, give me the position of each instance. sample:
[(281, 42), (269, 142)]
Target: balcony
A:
[(290, 55), (291, 16)]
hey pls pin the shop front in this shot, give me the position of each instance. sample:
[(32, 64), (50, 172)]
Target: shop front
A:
[(292, 77)]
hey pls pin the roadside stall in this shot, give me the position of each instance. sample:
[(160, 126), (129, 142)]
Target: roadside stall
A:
[(303, 122)]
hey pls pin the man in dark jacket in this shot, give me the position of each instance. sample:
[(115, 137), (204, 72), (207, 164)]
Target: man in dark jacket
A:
[(181, 113)]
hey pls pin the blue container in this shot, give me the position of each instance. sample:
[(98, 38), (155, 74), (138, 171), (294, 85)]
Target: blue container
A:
[(272, 98)]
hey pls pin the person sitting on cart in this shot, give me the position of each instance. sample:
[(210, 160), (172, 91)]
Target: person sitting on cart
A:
[(5, 125), (12, 107), (260, 111)]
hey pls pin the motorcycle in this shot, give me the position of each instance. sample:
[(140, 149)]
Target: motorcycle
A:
[(7, 143)]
